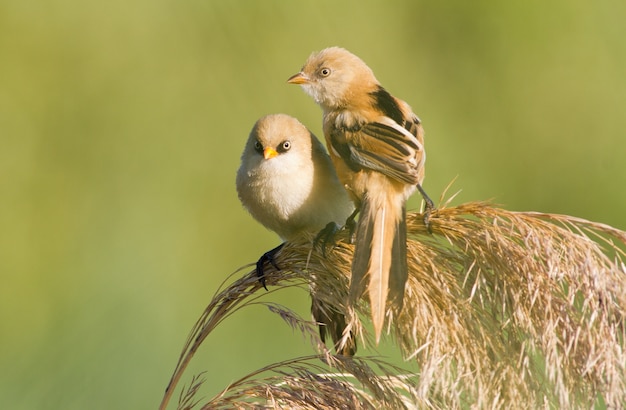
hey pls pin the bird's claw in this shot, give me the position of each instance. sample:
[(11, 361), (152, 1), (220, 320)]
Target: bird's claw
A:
[(428, 208), (326, 236), (350, 225), (267, 257)]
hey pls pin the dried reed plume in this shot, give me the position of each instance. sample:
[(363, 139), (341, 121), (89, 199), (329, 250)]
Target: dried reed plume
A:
[(502, 310)]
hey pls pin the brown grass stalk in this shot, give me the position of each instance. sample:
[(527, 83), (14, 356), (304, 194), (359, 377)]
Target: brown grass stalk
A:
[(501, 308)]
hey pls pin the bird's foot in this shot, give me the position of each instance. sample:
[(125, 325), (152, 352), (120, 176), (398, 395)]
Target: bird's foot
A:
[(326, 236), (428, 208), (269, 258), (350, 225)]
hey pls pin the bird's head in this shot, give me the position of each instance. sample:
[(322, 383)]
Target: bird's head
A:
[(278, 136), (334, 76)]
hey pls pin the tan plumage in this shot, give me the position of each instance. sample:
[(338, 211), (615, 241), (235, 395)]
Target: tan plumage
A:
[(376, 143), (287, 182)]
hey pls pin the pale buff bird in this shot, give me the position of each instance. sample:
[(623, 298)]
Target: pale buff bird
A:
[(287, 182)]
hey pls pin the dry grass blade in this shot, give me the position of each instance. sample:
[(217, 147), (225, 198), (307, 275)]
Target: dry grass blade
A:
[(541, 306), (226, 302), (187, 399), (305, 383), (501, 308)]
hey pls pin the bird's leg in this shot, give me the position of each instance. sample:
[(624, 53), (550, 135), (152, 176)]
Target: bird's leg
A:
[(267, 257), (327, 234), (351, 225), (430, 205)]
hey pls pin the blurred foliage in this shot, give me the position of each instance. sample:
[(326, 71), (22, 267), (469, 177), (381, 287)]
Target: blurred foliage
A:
[(121, 126)]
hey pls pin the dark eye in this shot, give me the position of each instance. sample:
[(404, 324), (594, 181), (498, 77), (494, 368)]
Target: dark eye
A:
[(258, 146), (325, 72), (285, 146)]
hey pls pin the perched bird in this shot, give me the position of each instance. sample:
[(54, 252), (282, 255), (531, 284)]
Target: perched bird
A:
[(287, 182), (376, 143)]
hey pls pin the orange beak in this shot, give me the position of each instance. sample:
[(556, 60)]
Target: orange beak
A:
[(299, 78), (269, 153)]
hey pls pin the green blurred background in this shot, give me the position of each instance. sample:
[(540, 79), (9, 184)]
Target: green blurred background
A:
[(121, 126)]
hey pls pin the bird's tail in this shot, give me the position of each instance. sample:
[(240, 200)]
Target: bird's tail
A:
[(380, 255), (332, 322)]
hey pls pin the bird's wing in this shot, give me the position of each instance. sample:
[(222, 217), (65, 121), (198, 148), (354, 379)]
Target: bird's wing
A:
[(383, 146)]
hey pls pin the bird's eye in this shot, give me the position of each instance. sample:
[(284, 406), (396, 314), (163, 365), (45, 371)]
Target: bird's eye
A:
[(325, 72), (285, 146), (258, 146)]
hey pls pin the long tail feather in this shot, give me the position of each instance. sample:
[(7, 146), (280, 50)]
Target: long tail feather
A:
[(380, 265), (380, 254), (399, 269), (362, 252)]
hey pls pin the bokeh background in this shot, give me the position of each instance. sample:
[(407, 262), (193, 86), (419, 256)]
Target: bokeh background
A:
[(121, 126)]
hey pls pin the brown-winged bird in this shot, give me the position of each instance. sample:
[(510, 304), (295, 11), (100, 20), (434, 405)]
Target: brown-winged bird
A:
[(376, 143)]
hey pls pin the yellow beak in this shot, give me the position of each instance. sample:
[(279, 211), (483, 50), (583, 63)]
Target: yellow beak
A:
[(299, 78), (269, 153)]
